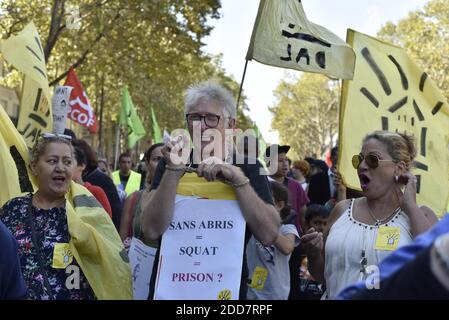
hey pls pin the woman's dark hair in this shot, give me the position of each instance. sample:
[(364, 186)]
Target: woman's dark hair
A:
[(280, 193), (91, 156), (316, 210), (80, 156), (147, 155), (400, 146), (41, 145), (124, 155)]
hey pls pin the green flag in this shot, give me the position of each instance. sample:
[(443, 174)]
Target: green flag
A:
[(129, 117), (262, 144), (157, 137)]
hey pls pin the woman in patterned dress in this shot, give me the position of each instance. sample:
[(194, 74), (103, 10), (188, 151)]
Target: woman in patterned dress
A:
[(39, 223)]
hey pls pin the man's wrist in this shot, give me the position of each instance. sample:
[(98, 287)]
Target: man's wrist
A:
[(241, 183), (175, 170)]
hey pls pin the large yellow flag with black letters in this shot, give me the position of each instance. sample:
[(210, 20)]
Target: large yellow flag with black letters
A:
[(24, 51), (390, 92), (283, 37)]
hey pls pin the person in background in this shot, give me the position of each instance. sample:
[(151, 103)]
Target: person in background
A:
[(69, 132), (321, 187), (296, 195), (309, 289), (248, 146), (300, 169), (268, 265), (104, 167), (12, 286), (97, 192), (125, 178), (142, 170), (130, 225), (316, 166), (96, 177), (341, 192)]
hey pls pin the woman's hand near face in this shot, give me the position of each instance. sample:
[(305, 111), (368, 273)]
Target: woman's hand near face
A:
[(421, 218), (406, 198)]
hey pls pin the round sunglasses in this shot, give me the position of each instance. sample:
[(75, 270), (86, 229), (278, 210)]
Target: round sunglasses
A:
[(371, 160)]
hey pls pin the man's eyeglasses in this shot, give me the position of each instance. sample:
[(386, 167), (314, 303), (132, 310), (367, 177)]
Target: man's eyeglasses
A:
[(371, 160), (211, 120), (48, 135)]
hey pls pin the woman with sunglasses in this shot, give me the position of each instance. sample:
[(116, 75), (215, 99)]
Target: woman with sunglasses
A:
[(362, 232)]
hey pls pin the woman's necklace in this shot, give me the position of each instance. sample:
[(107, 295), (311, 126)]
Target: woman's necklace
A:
[(38, 202), (378, 222)]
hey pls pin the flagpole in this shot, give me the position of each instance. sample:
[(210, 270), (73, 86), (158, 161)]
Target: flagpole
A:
[(117, 146), (101, 116), (241, 85)]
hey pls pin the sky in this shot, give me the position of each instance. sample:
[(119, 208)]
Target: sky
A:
[(232, 33)]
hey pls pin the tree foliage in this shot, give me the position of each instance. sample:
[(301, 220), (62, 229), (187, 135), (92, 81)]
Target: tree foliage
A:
[(153, 46), (424, 34), (306, 114)]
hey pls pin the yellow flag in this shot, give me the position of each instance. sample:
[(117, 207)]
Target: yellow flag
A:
[(283, 37), (390, 92), (24, 51), (97, 246), (14, 161)]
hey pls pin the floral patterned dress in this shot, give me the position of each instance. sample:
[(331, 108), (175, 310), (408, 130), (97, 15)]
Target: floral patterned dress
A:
[(38, 232)]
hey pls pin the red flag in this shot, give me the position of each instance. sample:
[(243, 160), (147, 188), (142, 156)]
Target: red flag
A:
[(80, 109)]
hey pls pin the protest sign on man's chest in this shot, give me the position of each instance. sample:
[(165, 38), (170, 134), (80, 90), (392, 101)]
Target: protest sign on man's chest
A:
[(201, 252)]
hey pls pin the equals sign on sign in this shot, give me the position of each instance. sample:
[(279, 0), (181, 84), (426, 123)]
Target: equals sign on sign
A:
[(198, 237), (196, 263)]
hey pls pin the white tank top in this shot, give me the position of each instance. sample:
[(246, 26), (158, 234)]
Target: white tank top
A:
[(346, 241)]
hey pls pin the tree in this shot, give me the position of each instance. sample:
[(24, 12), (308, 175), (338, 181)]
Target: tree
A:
[(424, 34), (306, 114), (154, 47)]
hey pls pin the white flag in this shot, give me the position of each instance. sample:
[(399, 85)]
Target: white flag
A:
[(283, 37)]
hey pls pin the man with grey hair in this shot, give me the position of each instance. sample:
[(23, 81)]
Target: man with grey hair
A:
[(209, 111)]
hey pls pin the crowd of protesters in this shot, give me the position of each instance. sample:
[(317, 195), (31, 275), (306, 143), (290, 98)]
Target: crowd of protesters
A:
[(307, 236)]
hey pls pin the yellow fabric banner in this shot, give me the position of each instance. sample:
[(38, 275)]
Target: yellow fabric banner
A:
[(14, 159), (192, 185), (94, 242), (24, 51), (97, 246), (283, 37), (390, 92)]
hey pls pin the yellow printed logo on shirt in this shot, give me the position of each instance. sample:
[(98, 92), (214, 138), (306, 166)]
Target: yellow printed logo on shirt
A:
[(387, 238), (62, 256), (259, 277)]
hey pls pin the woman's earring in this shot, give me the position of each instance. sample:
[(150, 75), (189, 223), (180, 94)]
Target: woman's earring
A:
[(396, 178)]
